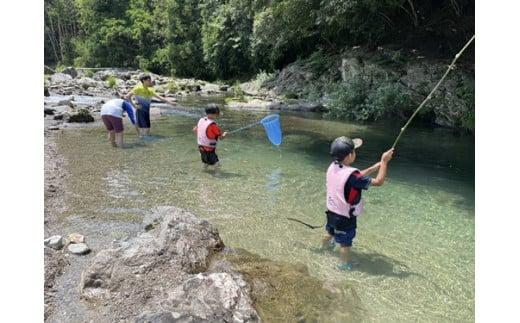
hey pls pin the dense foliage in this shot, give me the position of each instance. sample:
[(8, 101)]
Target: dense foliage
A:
[(232, 38), (237, 39)]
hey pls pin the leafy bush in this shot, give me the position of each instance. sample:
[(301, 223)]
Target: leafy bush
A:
[(291, 96), (237, 92), (368, 100), (111, 81), (172, 87), (262, 78)]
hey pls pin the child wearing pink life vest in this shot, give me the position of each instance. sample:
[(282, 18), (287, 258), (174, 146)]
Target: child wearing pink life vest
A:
[(208, 133), (344, 186)]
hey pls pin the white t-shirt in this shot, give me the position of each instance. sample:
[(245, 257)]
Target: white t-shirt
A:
[(113, 108)]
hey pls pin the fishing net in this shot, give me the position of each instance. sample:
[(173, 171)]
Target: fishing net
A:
[(272, 128)]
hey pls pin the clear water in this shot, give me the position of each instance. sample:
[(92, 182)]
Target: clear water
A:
[(415, 244)]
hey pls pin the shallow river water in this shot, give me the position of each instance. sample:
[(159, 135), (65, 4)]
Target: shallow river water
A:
[(414, 249)]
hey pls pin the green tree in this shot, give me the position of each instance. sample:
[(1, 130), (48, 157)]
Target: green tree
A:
[(284, 31), (226, 39), (60, 29), (106, 36), (184, 39)]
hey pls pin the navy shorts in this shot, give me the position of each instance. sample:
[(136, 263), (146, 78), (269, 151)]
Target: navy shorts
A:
[(344, 238), (143, 118), (208, 157)]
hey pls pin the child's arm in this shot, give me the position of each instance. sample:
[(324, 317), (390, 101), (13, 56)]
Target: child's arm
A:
[(194, 130), (128, 98), (164, 99), (370, 169), (380, 178)]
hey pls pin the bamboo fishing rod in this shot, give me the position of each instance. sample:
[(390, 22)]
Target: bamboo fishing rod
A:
[(434, 89)]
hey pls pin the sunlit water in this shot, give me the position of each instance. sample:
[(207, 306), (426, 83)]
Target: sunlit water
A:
[(414, 249)]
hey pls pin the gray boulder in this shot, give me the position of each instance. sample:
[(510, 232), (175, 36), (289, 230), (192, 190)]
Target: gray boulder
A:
[(213, 297), (87, 82), (60, 78), (156, 276)]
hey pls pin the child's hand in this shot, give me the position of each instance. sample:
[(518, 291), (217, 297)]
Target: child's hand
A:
[(387, 155), (224, 134)]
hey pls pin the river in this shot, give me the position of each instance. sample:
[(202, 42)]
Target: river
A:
[(414, 249)]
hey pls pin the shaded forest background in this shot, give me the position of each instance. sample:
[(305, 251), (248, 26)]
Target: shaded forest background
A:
[(215, 39), (364, 59)]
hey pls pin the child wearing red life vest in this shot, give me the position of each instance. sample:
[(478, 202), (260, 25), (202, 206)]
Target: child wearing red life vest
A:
[(208, 133), (344, 186)]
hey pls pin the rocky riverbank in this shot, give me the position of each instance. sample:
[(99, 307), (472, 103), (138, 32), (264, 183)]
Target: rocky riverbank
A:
[(365, 84)]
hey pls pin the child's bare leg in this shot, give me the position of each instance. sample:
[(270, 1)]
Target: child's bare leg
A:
[(119, 139), (325, 243), (216, 168), (344, 254), (112, 138)]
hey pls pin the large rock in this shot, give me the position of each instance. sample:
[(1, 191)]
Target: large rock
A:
[(159, 276), (60, 78), (87, 82), (267, 105), (207, 297)]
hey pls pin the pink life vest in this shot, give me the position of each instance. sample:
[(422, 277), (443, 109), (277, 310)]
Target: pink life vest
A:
[(336, 179), (202, 138)]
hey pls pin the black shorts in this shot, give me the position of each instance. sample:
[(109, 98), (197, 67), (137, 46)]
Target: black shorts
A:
[(208, 157), (143, 118)]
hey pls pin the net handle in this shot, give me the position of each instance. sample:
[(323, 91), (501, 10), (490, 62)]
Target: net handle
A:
[(243, 128)]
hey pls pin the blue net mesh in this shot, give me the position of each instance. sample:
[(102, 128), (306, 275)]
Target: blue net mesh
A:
[(272, 128)]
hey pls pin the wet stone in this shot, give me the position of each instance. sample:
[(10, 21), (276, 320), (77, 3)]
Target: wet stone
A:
[(54, 242), (76, 238), (78, 248)]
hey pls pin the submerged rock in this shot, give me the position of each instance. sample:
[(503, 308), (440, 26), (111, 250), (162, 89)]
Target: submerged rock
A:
[(160, 275), (83, 115)]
